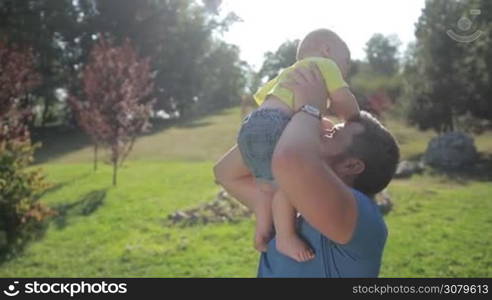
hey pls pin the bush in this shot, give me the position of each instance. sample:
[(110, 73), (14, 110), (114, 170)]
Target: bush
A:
[(21, 213)]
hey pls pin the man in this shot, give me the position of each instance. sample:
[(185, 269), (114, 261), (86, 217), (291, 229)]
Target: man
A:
[(328, 173)]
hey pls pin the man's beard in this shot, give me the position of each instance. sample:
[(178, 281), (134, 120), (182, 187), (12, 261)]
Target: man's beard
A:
[(333, 159)]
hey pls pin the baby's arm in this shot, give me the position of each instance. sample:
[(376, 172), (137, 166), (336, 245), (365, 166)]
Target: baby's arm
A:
[(344, 104)]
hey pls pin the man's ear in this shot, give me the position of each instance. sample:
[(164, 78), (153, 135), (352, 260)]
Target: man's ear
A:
[(353, 166)]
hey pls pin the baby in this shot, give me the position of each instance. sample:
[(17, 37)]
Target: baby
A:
[(261, 130)]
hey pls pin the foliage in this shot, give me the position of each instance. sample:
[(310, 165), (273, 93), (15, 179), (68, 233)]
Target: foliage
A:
[(448, 81), (20, 210), (382, 54), (117, 89), (477, 71), (51, 29), (222, 79), (283, 57), (181, 38), (375, 92)]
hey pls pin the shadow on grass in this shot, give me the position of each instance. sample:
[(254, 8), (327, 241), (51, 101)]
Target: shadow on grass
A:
[(57, 141), (60, 140), (84, 206), (194, 124), (59, 185)]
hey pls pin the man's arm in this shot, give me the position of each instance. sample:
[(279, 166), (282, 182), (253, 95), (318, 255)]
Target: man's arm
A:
[(308, 182)]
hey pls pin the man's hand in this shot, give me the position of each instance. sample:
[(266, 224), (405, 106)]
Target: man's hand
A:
[(308, 87)]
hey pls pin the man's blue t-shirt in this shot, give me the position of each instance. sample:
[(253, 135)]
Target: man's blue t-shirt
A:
[(360, 257)]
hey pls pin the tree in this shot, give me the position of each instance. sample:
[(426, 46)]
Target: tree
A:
[(273, 63), (382, 54), (181, 38), (178, 36), (20, 210), (436, 86), (476, 68), (118, 98), (223, 78), (49, 27), (283, 57)]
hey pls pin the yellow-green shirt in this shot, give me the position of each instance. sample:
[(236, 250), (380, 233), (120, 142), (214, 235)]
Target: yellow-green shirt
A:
[(328, 68)]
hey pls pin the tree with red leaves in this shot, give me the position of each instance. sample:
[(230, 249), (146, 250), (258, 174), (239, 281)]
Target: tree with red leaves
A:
[(117, 86), (20, 209), (17, 77)]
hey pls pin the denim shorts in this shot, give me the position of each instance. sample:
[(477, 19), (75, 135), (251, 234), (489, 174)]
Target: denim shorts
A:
[(257, 138)]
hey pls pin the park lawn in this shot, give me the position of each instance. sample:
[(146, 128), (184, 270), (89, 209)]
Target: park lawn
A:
[(439, 227), (126, 234)]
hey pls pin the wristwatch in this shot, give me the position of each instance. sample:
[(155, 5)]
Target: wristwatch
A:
[(311, 110)]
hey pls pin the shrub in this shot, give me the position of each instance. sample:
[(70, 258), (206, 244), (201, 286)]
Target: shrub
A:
[(20, 210)]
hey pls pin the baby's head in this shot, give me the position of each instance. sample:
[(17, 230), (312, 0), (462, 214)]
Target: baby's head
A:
[(325, 43)]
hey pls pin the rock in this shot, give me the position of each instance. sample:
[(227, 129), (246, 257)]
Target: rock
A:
[(384, 202), (222, 209), (408, 168), (451, 151), (178, 216)]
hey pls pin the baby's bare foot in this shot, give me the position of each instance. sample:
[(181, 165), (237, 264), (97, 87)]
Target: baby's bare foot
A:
[(294, 247)]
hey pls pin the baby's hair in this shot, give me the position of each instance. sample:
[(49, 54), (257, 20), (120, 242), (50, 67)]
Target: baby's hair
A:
[(316, 37)]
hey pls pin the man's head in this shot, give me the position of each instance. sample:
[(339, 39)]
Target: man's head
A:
[(325, 43), (362, 152)]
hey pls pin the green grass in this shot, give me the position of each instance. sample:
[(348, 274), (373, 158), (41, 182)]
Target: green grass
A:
[(127, 235), (439, 226), (439, 229), (204, 139)]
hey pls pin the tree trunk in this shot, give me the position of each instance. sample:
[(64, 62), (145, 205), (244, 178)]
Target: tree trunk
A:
[(46, 108), (115, 171), (95, 157)]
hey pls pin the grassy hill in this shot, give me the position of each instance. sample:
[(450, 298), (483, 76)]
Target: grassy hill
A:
[(440, 226)]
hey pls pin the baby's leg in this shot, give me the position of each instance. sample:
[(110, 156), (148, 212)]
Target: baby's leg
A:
[(264, 221), (236, 178), (288, 241)]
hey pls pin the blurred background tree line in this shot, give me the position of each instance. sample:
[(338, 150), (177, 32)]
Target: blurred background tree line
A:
[(194, 70), (439, 83)]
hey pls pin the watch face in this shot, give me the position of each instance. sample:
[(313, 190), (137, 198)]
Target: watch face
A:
[(313, 111)]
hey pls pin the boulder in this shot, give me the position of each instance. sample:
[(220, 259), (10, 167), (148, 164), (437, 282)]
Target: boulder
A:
[(451, 151), (384, 202), (407, 168)]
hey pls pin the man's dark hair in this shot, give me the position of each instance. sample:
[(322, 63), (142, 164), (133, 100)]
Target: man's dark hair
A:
[(379, 151)]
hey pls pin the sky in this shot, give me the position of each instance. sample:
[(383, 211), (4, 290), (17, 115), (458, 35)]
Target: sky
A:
[(268, 23)]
